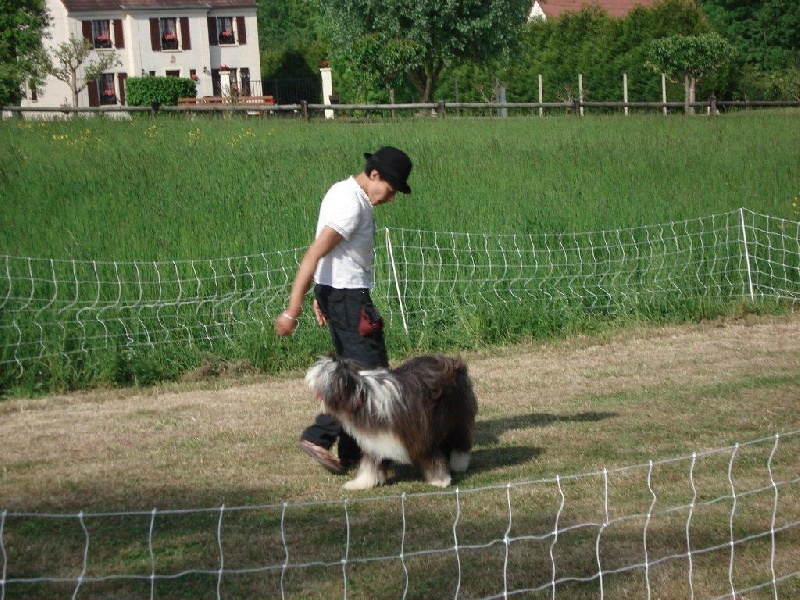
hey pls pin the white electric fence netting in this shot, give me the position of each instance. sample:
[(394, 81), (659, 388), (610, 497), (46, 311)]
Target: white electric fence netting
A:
[(720, 523), (52, 307)]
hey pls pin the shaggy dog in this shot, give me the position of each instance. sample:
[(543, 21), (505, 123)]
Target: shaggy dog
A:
[(421, 413)]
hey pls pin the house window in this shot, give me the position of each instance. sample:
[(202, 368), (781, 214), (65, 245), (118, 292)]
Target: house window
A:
[(101, 33), (169, 33), (105, 89), (225, 33)]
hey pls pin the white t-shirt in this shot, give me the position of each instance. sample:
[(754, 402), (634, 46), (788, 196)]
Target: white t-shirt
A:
[(347, 210)]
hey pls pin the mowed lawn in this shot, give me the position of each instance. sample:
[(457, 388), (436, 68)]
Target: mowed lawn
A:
[(636, 429)]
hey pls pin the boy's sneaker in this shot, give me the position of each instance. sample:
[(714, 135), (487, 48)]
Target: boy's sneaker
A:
[(322, 456)]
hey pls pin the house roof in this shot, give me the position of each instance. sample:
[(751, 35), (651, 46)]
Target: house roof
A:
[(614, 8), (115, 5)]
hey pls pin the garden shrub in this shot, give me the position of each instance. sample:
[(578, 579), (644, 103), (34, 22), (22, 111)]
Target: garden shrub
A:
[(147, 91)]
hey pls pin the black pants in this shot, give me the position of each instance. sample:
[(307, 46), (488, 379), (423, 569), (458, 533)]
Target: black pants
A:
[(342, 310)]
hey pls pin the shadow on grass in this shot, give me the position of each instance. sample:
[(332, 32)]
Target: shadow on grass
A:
[(488, 456), (489, 432), (483, 460)]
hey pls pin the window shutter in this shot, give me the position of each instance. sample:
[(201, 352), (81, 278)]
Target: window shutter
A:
[(119, 39), (155, 35), (123, 80), (242, 30), (212, 32), (186, 42), (94, 95), (87, 31)]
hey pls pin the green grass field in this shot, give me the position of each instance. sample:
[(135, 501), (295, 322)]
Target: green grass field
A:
[(172, 189), (164, 189)]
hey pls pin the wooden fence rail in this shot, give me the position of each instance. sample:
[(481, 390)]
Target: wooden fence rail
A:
[(438, 109)]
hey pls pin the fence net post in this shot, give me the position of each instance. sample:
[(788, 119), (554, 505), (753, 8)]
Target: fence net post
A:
[(746, 254), (390, 254)]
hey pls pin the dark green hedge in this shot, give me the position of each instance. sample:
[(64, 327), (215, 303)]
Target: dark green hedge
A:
[(146, 91)]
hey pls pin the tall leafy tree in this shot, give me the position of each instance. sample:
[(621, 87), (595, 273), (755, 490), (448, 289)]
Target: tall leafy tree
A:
[(419, 37), (765, 33), (289, 38), (600, 48), (690, 57), (22, 59)]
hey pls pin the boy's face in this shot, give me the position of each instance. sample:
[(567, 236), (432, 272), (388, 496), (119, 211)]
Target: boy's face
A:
[(380, 191)]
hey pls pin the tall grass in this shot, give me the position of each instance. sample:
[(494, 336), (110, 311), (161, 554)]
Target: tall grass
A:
[(162, 189)]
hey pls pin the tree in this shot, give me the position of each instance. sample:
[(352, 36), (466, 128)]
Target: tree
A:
[(766, 36), (23, 24), (765, 33), (420, 37), (602, 49), (71, 55), (689, 57), (384, 62), (291, 46)]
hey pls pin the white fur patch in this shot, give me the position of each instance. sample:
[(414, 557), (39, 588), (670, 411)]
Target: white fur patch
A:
[(318, 376), (380, 444), (384, 395)]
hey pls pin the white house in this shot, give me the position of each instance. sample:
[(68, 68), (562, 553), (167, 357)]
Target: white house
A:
[(214, 42)]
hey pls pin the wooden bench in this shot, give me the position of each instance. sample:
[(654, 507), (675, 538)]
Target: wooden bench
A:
[(259, 100), (225, 101)]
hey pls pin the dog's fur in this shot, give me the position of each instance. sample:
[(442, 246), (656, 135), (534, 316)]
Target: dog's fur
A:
[(420, 413)]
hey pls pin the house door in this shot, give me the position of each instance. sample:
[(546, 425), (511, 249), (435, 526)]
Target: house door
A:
[(244, 77)]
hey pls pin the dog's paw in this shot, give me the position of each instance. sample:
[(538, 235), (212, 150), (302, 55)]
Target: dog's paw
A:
[(371, 473), (362, 482), (436, 472), (359, 484), (441, 482), (459, 461)]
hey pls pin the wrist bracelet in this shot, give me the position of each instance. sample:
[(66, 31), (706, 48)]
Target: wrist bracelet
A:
[(290, 317)]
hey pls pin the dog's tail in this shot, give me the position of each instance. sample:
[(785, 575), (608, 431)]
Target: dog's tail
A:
[(435, 373), (453, 366), (454, 370)]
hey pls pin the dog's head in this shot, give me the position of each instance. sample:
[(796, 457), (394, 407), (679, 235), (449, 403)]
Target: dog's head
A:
[(336, 383)]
